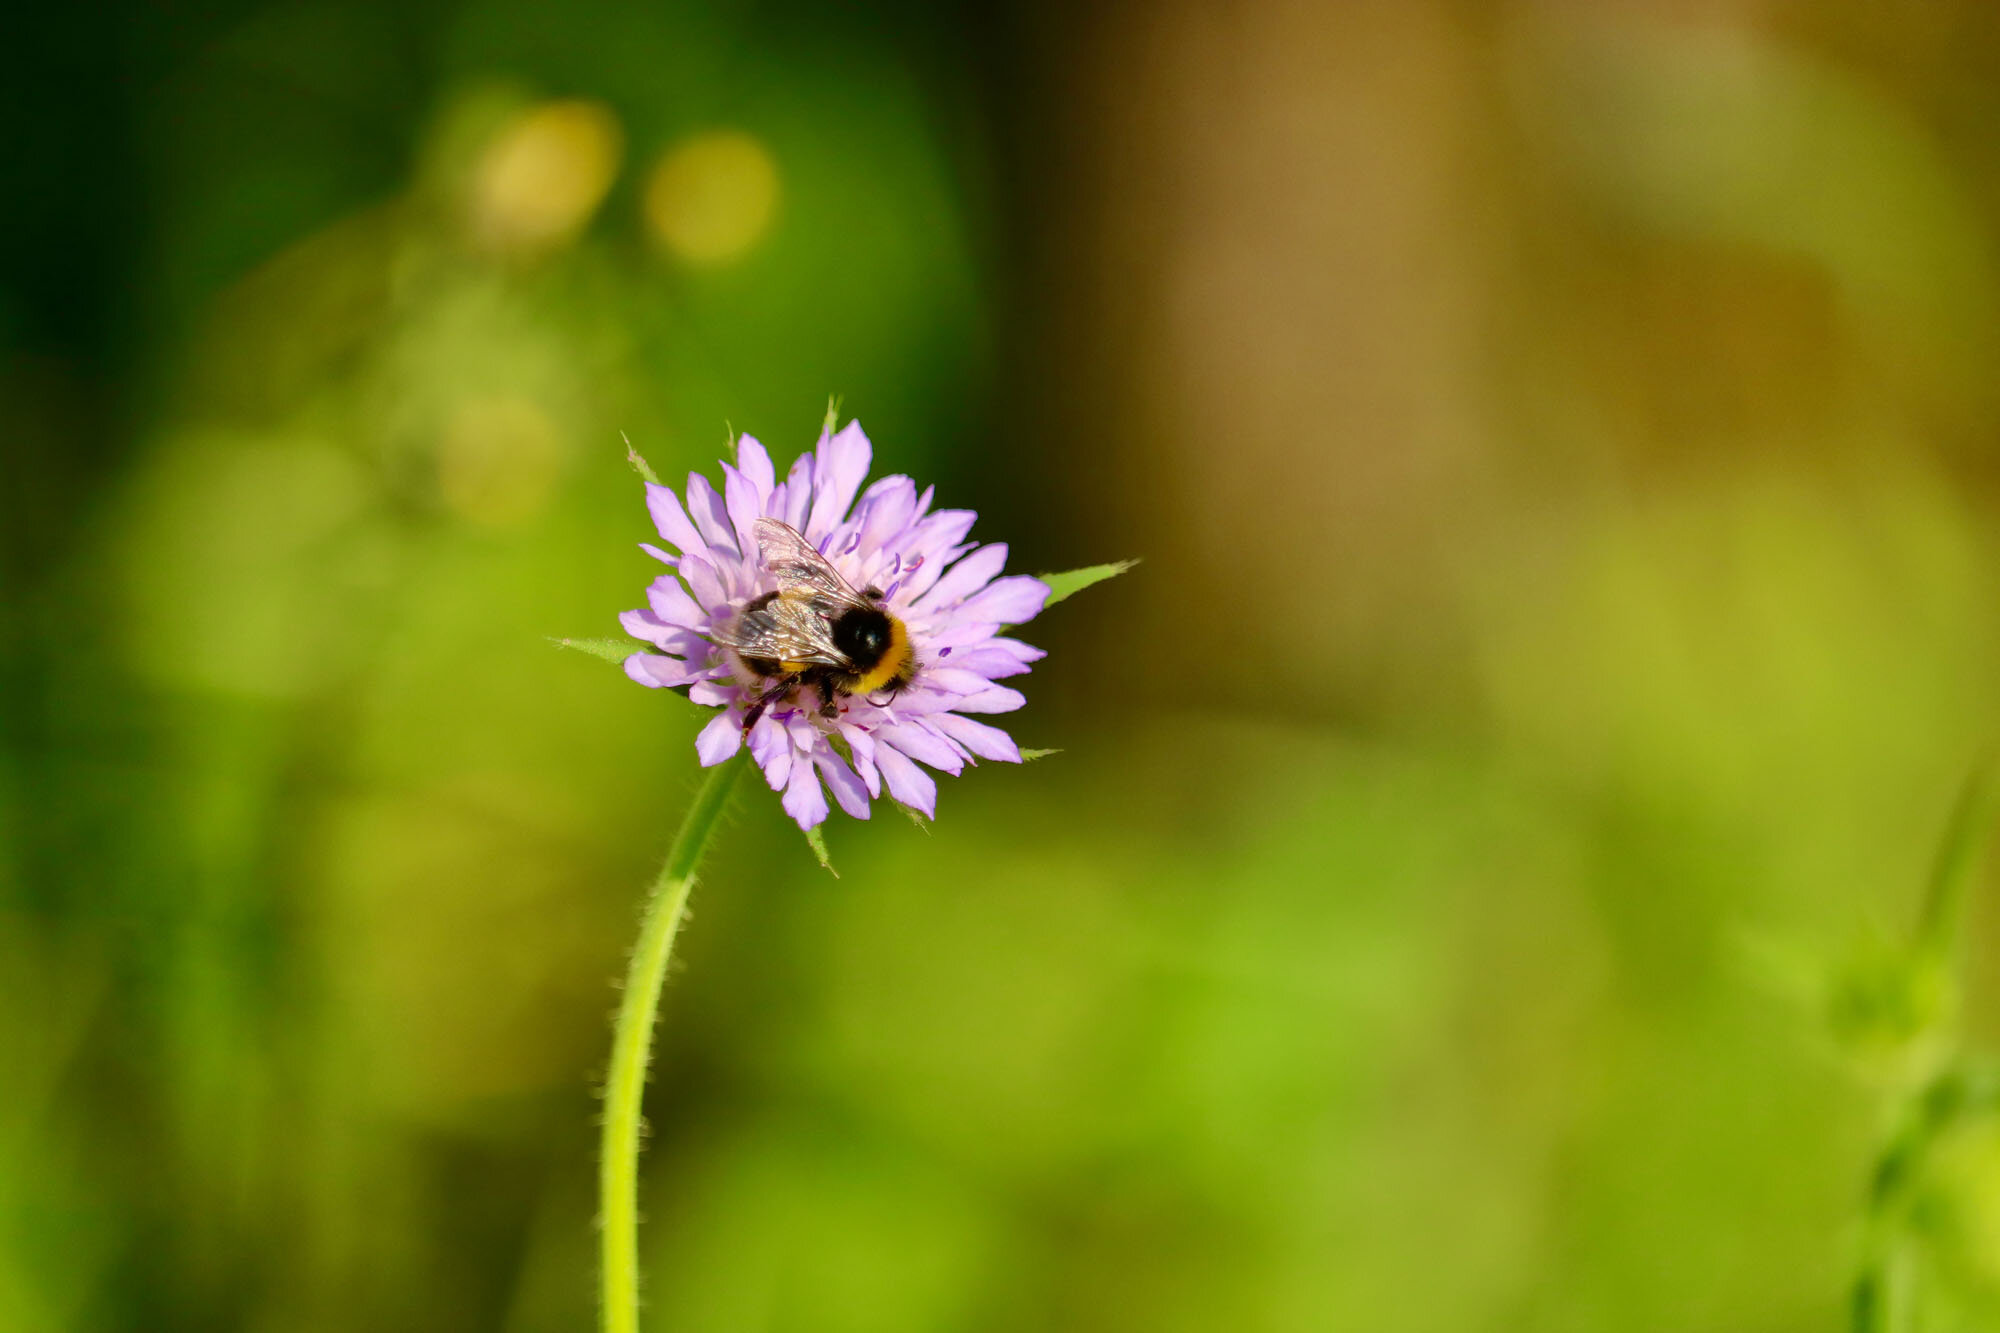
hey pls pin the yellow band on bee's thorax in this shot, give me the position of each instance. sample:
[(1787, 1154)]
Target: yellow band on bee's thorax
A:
[(893, 664)]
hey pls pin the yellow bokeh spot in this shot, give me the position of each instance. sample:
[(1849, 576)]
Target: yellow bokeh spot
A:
[(544, 174), (499, 460), (712, 197)]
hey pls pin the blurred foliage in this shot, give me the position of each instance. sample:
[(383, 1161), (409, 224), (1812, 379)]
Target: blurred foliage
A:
[(1561, 444)]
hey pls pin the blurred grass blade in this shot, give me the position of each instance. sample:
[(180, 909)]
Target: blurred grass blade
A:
[(611, 650), (1782, 969), (1027, 755), (1965, 840), (1076, 580)]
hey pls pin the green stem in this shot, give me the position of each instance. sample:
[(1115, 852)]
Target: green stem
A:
[(631, 1050)]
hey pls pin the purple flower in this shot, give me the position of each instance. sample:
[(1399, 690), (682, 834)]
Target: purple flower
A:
[(947, 591)]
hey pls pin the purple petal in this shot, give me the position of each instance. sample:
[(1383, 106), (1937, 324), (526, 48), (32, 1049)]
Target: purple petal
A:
[(804, 801), (671, 603), (711, 516), (928, 553), (920, 700), (1023, 652), (966, 577), (847, 789), (862, 745), (1011, 601), (671, 519), (953, 680), (886, 510), (658, 554), (660, 673), (915, 581), (771, 747), (798, 492), (991, 666), (745, 504), (702, 580), (907, 783), (645, 626), (755, 464), (960, 633), (871, 499), (997, 699), (920, 743), (941, 531), (720, 739), (997, 658), (711, 695), (984, 741), (685, 644), (804, 739), (838, 469)]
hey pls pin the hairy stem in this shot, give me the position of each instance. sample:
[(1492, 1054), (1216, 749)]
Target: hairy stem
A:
[(631, 1051)]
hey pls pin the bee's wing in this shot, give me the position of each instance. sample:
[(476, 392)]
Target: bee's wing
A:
[(785, 629), (803, 570)]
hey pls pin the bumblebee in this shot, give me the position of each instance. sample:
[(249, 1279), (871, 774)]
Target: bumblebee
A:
[(815, 632)]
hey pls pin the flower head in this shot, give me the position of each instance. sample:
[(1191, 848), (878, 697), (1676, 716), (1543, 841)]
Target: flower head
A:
[(947, 592)]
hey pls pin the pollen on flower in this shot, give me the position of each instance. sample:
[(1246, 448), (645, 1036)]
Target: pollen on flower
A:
[(807, 733)]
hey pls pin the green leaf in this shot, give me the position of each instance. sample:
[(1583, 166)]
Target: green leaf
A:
[(637, 463), (611, 650), (1027, 755), (832, 415), (816, 839), (1076, 580)]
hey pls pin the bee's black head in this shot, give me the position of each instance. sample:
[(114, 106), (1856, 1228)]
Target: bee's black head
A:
[(863, 634)]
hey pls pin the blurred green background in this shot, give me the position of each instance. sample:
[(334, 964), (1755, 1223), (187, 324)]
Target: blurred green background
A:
[(1562, 439)]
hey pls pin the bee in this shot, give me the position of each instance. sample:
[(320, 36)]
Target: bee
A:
[(815, 631)]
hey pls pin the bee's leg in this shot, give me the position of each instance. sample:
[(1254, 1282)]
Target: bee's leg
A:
[(829, 702), (766, 699)]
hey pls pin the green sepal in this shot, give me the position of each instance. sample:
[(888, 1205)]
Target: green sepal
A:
[(1075, 581), (637, 462), (816, 839), (1027, 755), (611, 650)]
